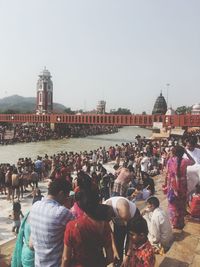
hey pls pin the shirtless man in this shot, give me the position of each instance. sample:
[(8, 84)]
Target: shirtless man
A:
[(124, 176), (15, 184), (125, 211), (8, 181)]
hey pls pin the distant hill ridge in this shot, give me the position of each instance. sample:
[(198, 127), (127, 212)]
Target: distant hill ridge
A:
[(24, 104)]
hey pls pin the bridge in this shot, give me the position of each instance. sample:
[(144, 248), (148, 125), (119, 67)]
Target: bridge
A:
[(105, 119)]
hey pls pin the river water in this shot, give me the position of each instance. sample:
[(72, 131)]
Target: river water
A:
[(11, 153)]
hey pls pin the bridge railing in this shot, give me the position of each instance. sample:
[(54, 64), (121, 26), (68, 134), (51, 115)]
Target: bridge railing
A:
[(106, 119)]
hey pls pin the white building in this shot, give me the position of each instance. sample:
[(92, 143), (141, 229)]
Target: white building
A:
[(101, 107), (195, 109), (170, 111)]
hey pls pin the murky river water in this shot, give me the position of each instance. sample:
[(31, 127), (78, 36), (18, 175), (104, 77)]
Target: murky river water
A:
[(11, 153)]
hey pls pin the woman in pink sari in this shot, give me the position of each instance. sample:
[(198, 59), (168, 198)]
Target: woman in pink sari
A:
[(176, 181)]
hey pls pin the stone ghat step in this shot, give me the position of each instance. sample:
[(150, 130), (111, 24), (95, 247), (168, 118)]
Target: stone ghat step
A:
[(6, 252), (185, 251)]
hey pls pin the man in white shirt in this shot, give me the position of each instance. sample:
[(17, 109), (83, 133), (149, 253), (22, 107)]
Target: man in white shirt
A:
[(160, 230), (144, 163), (191, 147), (94, 160)]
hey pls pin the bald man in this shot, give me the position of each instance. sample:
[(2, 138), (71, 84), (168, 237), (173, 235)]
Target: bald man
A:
[(125, 211)]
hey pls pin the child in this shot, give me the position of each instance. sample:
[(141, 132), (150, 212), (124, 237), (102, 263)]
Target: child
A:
[(194, 204), (16, 216), (37, 195), (140, 252)]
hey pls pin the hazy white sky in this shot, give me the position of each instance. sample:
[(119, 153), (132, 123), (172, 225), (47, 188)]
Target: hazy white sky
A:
[(122, 51)]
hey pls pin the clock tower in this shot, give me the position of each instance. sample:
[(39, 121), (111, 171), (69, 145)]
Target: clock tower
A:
[(44, 93)]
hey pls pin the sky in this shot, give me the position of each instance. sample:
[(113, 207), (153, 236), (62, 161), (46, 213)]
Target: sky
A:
[(122, 51)]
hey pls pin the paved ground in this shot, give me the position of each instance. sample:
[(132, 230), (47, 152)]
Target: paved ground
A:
[(185, 251), (7, 238), (6, 210)]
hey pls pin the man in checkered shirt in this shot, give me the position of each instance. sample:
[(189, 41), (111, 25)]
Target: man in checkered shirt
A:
[(48, 219)]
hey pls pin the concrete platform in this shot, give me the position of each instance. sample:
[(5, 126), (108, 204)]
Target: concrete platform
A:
[(185, 250)]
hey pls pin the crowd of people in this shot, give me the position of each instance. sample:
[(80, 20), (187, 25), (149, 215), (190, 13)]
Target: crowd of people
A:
[(22, 133), (90, 215)]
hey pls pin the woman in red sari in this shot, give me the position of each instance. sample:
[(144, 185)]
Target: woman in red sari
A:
[(176, 180), (87, 236)]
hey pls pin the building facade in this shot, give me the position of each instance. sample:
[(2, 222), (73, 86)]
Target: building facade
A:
[(195, 109), (44, 103), (101, 107)]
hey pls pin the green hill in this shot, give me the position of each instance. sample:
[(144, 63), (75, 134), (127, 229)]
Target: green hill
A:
[(24, 104)]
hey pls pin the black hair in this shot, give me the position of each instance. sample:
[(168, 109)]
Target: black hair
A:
[(192, 140), (138, 226), (116, 166), (197, 188), (15, 171), (130, 168), (57, 185), (16, 206), (154, 201), (146, 174), (88, 200), (103, 213), (84, 181), (179, 151)]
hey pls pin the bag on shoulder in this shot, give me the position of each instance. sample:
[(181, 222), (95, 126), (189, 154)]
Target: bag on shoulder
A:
[(171, 195)]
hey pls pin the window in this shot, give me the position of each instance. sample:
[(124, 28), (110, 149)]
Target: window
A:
[(49, 98), (40, 97)]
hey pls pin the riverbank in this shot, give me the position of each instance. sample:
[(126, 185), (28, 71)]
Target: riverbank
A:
[(185, 251)]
